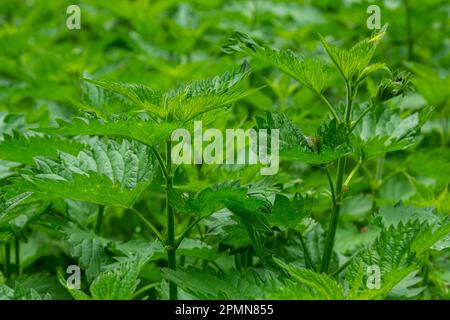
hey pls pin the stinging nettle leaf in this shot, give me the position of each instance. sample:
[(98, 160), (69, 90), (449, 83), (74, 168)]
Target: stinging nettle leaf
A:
[(107, 174), (312, 72), (22, 149)]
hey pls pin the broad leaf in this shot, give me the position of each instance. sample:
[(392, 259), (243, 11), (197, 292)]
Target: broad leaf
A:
[(23, 149), (311, 72), (108, 174), (145, 131)]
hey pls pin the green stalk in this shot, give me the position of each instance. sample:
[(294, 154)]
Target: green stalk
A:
[(187, 231), (331, 234), (98, 223), (170, 243), (17, 253), (329, 242), (379, 169), (148, 224), (308, 261), (7, 260)]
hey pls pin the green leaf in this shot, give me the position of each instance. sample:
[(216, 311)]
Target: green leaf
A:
[(20, 292), (287, 213), (200, 284), (310, 71), (392, 216), (436, 161), (140, 97), (7, 205), (325, 286), (118, 283), (331, 142), (186, 103), (145, 131), (407, 288), (23, 149), (89, 249), (44, 284), (197, 249), (231, 195), (107, 174), (392, 254), (399, 249), (352, 63), (383, 130)]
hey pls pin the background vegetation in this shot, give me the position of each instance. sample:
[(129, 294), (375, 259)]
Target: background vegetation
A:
[(92, 193)]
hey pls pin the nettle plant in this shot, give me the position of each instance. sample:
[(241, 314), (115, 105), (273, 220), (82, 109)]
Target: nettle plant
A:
[(116, 157)]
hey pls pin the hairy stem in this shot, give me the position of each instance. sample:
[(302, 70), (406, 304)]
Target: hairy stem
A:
[(379, 169), (145, 288), (186, 232), (7, 260), (170, 243), (361, 116), (98, 223), (329, 106), (352, 173), (148, 224), (308, 261), (17, 253), (329, 242), (331, 234)]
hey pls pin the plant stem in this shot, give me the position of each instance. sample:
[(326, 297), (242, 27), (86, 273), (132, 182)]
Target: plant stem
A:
[(343, 267), (330, 181), (348, 107), (98, 223), (7, 260), (249, 257), (145, 288), (331, 234), (379, 169), (329, 106), (170, 243), (186, 232), (17, 252), (160, 161), (148, 224), (308, 260), (352, 173), (361, 116), (329, 242)]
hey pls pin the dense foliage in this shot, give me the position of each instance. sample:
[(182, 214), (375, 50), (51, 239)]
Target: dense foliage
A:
[(359, 208)]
